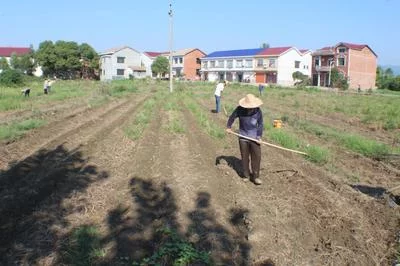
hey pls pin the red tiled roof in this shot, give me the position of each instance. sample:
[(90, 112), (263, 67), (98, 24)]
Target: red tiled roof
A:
[(304, 51), (154, 54), (356, 46), (274, 51), (8, 51), (352, 45)]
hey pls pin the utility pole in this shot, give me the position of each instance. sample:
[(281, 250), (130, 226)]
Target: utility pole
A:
[(170, 46)]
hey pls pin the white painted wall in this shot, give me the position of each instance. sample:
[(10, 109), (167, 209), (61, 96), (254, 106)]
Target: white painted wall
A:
[(147, 61), (109, 63), (286, 66)]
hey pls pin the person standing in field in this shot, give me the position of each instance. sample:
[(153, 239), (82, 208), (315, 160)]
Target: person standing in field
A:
[(261, 88), (218, 91), (46, 86), (250, 125)]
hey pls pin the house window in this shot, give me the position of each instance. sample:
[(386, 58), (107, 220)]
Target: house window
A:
[(341, 61), (342, 50), (260, 62), (316, 62), (249, 63), (239, 63), (205, 64), (198, 61), (229, 63), (220, 63), (212, 64), (180, 60), (296, 64), (120, 72), (176, 60), (271, 63), (120, 60)]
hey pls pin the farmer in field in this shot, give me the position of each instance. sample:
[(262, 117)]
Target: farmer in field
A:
[(46, 86), (261, 89), (251, 126), (218, 91)]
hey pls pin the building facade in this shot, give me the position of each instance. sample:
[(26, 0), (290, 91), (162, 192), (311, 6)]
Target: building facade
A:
[(7, 52), (123, 63), (232, 65), (276, 65), (260, 65), (357, 63)]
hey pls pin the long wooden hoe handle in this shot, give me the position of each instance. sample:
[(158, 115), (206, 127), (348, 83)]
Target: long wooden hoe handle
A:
[(266, 143)]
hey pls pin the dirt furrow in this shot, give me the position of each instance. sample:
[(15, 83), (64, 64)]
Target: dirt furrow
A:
[(71, 127), (72, 182), (306, 216)]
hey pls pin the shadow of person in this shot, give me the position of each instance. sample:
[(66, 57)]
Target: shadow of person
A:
[(213, 111), (224, 247), (232, 161)]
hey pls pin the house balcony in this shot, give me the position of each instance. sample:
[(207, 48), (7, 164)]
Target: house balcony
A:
[(323, 68), (266, 67)]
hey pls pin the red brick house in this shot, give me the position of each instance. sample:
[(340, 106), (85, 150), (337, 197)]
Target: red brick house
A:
[(357, 62)]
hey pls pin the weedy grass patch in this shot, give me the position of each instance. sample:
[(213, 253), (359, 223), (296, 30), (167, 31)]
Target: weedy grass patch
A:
[(83, 246), (135, 130), (16, 130), (202, 118)]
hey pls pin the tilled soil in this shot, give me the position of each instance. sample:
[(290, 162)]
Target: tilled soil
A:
[(81, 170)]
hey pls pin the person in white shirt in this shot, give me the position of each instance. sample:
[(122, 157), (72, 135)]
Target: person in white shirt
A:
[(218, 90)]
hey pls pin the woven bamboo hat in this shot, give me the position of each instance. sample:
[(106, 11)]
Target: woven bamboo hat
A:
[(250, 101)]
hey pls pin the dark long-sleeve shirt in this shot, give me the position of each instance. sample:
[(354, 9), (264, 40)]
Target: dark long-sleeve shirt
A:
[(250, 123)]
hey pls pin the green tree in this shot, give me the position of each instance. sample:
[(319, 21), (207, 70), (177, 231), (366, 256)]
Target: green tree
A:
[(4, 64), (301, 79), (264, 45), (388, 72), (24, 63), (338, 80), (89, 61), (160, 65), (46, 57), (11, 77), (67, 60)]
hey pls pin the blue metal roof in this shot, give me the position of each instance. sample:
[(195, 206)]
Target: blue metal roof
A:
[(235, 53)]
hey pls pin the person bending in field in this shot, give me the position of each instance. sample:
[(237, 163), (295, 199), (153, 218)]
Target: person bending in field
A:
[(250, 125), (218, 91)]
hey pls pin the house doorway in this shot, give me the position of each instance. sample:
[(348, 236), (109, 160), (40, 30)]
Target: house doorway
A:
[(240, 76), (221, 75), (229, 76), (271, 77)]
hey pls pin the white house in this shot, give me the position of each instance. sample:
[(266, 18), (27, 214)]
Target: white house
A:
[(123, 63), (232, 65), (277, 65), (263, 65), (7, 52)]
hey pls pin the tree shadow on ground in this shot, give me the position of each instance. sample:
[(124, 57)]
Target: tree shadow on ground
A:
[(151, 232), (375, 192), (31, 191), (233, 162), (378, 193)]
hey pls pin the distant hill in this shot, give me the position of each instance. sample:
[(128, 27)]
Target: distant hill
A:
[(396, 69)]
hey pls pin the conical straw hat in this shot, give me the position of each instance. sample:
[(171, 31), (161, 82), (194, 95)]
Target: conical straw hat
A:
[(250, 101)]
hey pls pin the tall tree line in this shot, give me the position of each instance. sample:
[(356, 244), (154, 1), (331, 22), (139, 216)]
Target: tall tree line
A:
[(62, 59)]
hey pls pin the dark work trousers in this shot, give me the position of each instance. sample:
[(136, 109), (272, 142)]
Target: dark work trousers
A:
[(250, 149)]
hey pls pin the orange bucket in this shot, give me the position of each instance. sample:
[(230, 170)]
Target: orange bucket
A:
[(278, 123)]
